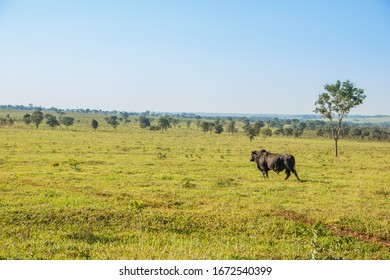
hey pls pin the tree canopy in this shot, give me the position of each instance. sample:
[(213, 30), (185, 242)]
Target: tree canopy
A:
[(94, 124), (113, 121), (164, 123), (67, 121), (37, 118), (52, 121), (336, 103)]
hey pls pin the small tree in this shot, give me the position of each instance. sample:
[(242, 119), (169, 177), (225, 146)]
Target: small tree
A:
[(113, 121), (297, 132), (3, 121), (52, 121), (198, 122), (10, 122), (355, 132), (335, 104), (218, 127), (231, 127), (252, 131), (94, 124), (246, 125), (288, 131), (37, 118), (266, 132), (27, 119), (175, 122), (164, 123), (125, 116), (67, 121), (144, 122), (258, 125), (205, 126), (279, 131)]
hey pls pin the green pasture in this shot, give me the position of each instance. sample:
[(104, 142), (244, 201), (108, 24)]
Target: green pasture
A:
[(132, 193)]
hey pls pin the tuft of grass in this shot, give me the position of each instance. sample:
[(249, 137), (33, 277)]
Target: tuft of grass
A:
[(137, 205), (383, 192), (74, 164), (225, 183), (187, 183)]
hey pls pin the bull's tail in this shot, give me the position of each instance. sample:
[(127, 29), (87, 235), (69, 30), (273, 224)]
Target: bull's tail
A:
[(291, 159)]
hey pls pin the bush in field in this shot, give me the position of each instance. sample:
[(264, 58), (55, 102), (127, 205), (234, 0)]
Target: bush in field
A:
[(279, 131), (297, 132), (218, 127), (94, 124), (113, 121), (10, 122), (164, 123), (288, 131), (198, 121), (67, 121), (355, 132), (266, 132), (205, 126), (52, 121), (155, 128), (37, 118), (247, 124), (231, 127), (27, 119), (125, 116), (320, 132), (252, 131), (258, 125), (144, 122), (274, 123), (175, 122), (375, 133), (3, 121)]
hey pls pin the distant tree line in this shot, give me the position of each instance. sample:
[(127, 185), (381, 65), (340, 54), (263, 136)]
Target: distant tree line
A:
[(37, 117), (251, 127), (124, 114), (267, 128)]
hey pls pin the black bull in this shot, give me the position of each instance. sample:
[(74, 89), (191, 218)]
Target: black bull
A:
[(268, 161)]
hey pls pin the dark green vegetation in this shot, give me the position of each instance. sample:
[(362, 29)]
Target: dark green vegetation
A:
[(181, 193), (335, 104)]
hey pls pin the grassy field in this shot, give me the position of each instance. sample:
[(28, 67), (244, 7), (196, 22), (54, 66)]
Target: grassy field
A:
[(132, 193)]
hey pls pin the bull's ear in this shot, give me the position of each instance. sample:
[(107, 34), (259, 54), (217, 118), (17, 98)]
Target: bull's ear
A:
[(254, 152)]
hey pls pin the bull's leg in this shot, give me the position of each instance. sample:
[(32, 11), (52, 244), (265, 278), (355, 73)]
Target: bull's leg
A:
[(296, 174), (265, 174), (288, 173)]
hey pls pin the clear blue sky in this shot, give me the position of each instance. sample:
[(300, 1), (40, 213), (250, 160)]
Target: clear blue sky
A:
[(193, 56)]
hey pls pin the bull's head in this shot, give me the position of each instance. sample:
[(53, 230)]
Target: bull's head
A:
[(253, 156)]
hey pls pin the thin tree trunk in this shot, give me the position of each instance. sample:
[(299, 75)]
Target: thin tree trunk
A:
[(335, 147)]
